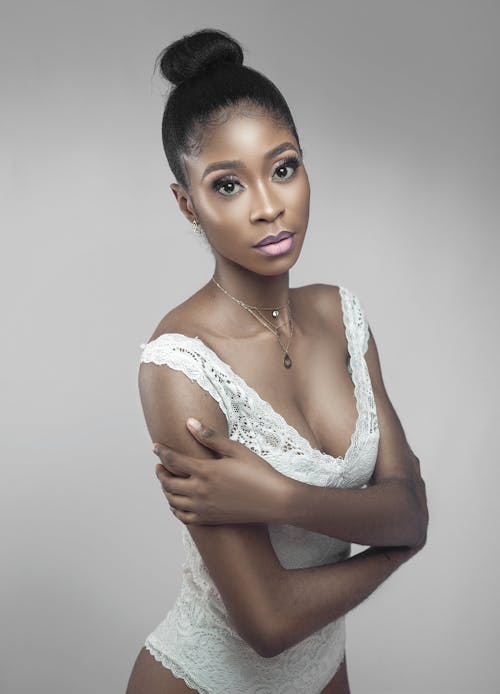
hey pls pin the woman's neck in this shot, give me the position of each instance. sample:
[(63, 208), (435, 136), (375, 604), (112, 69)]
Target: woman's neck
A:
[(267, 293), (253, 289)]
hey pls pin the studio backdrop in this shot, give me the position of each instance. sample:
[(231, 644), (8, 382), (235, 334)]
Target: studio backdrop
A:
[(397, 107)]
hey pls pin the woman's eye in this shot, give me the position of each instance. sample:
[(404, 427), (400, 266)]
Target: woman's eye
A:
[(228, 183), (221, 184), (289, 163)]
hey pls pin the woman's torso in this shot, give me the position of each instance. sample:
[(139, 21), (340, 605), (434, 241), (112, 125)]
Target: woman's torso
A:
[(311, 426)]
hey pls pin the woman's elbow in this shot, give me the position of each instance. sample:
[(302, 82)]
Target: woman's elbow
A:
[(270, 644), (276, 636), (263, 635), (266, 647), (420, 517)]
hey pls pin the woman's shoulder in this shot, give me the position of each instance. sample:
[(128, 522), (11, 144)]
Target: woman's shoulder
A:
[(321, 302), (172, 323), (183, 319), (323, 295)]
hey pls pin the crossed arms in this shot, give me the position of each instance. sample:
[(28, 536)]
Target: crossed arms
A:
[(273, 608)]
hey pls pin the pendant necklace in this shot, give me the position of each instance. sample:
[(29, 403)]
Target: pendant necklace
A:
[(256, 313)]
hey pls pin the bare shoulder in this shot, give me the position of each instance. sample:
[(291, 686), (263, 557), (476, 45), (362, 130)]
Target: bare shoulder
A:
[(324, 300), (161, 385), (181, 319)]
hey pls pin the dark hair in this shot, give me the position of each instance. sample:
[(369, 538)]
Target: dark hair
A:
[(209, 79)]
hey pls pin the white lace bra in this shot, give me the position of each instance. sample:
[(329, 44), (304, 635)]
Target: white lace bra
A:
[(197, 640)]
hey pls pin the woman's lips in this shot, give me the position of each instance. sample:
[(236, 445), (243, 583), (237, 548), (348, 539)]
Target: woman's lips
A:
[(278, 248), (274, 238)]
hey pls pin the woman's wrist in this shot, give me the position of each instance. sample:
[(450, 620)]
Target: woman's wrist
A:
[(296, 500), (286, 500)]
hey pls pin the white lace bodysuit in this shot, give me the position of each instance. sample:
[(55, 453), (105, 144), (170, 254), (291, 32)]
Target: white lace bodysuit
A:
[(197, 640)]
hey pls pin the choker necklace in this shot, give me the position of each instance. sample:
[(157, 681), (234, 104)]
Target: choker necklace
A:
[(287, 362)]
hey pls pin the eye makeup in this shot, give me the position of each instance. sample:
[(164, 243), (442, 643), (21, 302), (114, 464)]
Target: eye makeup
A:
[(291, 161)]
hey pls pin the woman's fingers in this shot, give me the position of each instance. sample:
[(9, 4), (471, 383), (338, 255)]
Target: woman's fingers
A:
[(210, 437), (178, 503), (174, 489), (178, 488), (173, 484), (175, 462), (187, 482)]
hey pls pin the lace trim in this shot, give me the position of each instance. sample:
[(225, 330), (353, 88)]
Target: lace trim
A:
[(356, 317), (356, 326), (177, 670), (304, 667)]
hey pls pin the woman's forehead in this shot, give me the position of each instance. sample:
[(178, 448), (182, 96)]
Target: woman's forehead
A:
[(242, 139)]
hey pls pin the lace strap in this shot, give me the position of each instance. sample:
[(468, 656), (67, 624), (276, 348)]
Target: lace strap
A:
[(355, 320), (356, 325), (184, 354)]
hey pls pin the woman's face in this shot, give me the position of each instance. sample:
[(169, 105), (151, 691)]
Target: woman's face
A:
[(248, 182)]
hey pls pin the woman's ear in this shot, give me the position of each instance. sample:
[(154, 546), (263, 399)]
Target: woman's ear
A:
[(184, 201), (174, 187)]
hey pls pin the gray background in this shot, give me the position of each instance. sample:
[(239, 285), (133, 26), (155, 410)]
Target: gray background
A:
[(397, 107)]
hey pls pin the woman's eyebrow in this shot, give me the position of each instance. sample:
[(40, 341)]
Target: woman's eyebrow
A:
[(235, 163)]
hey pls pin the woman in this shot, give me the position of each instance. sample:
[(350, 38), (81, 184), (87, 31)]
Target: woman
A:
[(300, 451)]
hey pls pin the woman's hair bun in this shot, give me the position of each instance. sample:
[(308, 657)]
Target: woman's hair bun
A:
[(195, 52)]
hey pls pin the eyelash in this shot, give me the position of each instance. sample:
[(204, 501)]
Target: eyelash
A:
[(292, 161)]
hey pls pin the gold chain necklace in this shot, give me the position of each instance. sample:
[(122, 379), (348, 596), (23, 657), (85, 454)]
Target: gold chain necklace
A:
[(287, 361)]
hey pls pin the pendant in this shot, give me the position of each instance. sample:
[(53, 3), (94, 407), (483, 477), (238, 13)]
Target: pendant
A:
[(287, 361), (276, 313)]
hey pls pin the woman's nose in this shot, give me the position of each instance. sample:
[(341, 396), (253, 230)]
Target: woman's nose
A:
[(266, 203)]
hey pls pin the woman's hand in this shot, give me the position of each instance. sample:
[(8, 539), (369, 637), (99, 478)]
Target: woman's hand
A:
[(237, 487)]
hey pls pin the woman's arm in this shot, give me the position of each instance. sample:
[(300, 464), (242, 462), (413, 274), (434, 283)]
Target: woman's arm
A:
[(379, 515), (308, 599), (271, 607), (392, 510)]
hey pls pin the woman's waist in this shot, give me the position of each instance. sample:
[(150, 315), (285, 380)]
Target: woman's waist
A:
[(298, 548)]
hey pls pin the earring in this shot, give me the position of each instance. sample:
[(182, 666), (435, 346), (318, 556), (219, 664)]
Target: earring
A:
[(200, 235)]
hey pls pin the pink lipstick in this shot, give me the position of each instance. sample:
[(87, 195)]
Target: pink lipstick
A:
[(273, 238), (281, 246)]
